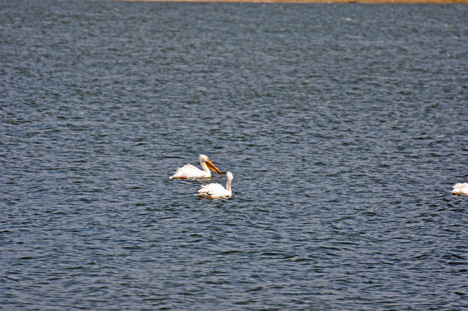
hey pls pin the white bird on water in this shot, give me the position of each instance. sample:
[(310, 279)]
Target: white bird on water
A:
[(217, 191), (460, 188), (189, 171)]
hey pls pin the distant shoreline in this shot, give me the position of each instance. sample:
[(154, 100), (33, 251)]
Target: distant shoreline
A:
[(317, 1)]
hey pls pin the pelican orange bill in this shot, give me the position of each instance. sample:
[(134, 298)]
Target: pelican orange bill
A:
[(212, 167)]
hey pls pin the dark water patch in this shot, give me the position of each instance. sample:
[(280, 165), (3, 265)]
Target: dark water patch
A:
[(344, 126)]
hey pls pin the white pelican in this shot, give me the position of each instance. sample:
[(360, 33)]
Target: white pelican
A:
[(460, 188), (216, 191), (189, 171)]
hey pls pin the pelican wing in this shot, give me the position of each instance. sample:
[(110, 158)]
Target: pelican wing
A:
[(191, 172), (213, 191), (460, 188), (188, 171)]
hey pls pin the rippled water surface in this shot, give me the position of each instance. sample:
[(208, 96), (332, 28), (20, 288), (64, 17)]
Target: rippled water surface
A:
[(345, 127)]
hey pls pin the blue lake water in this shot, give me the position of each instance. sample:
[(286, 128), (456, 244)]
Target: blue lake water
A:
[(345, 127)]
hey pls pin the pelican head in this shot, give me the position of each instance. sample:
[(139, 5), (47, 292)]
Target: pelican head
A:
[(205, 161), (229, 176)]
